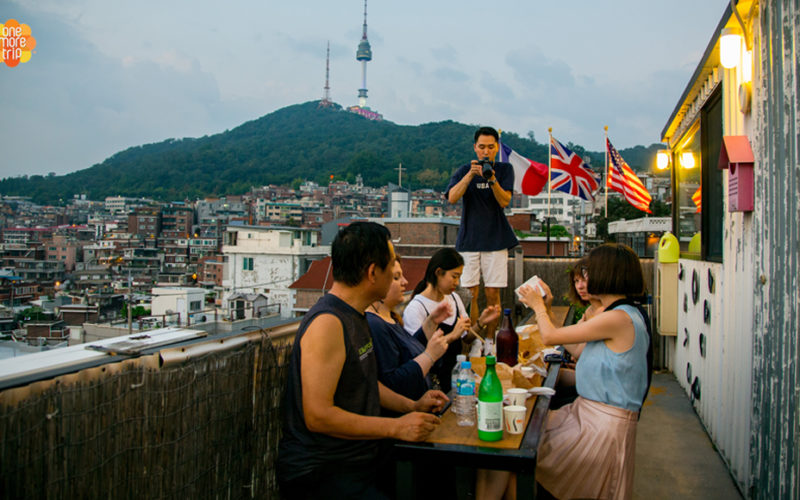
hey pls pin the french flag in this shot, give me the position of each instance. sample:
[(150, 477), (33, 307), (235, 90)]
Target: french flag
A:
[(529, 177)]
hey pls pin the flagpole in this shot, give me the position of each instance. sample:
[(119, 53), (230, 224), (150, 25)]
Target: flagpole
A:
[(500, 145), (549, 161), (605, 146)]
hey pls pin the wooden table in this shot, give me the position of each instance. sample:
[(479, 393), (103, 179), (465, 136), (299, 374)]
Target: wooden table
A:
[(460, 447)]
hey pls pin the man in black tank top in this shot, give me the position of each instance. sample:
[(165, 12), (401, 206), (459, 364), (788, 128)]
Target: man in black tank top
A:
[(332, 402)]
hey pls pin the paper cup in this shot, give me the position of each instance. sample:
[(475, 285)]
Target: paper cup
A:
[(514, 418), (517, 396)]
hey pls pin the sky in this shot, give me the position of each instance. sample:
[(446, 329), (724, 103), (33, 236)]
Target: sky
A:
[(110, 74)]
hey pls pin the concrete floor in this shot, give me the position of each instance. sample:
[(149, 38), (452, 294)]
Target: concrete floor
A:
[(674, 456)]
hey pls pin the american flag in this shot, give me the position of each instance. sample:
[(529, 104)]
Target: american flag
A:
[(697, 199), (569, 174), (622, 179)]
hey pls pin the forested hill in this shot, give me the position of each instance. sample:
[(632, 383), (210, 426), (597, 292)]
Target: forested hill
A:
[(294, 143)]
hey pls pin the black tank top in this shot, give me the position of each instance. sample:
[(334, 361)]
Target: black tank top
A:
[(301, 451)]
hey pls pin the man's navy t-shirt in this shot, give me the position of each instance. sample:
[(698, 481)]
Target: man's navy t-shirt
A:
[(484, 227)]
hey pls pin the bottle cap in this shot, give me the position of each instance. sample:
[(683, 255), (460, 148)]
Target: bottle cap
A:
[(506, 311), (461, 357), (491, 360)]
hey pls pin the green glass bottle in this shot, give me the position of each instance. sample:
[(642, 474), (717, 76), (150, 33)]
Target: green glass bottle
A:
[(490, 404)]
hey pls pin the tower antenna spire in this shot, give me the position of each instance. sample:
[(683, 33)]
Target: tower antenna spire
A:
[(363, 54), (326, 95), (364, 34)]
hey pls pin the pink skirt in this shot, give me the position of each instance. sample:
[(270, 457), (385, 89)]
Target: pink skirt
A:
[(587, 451)]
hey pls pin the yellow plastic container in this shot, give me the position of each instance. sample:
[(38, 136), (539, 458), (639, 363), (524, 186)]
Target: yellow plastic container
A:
[(668, 248), (694, 243)]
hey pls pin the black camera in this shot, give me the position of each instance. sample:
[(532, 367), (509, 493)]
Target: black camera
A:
[(487, 167)]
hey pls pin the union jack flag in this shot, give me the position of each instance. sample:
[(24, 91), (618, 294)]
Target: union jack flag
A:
[(569, 174)]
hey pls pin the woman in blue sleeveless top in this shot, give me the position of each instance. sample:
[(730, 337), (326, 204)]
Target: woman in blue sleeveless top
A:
[(587, 447)]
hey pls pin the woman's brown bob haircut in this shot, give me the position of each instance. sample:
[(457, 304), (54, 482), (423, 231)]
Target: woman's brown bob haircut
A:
[(614, 269)]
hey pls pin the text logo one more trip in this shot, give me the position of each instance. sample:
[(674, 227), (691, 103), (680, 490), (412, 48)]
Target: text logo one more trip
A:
[(16, 43)]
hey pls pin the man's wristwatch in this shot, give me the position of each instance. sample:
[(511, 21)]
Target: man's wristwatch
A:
[(491, 182)]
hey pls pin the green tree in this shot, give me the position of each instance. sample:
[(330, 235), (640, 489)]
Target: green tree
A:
[(619, 208), (556, 231), (34, 313), (136, 312)]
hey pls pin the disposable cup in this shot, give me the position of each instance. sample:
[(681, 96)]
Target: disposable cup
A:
[(517, 396), (514, 418)]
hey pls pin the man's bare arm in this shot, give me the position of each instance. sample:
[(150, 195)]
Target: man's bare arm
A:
[(322, 359), (458, 190), (502, 196)]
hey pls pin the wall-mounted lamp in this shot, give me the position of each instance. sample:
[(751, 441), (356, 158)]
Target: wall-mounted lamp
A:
[(687, 160), (662, 159), (747, 66), (730, 47)]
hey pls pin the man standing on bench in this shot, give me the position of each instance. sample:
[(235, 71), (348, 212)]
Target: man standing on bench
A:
[(484, 236)]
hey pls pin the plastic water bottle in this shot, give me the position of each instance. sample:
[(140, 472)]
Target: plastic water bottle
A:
[(456, 369), (465, 400)]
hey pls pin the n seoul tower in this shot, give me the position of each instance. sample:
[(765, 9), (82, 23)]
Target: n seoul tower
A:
[(363, 54)]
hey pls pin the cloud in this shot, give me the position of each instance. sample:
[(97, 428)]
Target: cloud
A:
[(497, 89), (535, 71), (77, 106), (443, 75), (445, 53)]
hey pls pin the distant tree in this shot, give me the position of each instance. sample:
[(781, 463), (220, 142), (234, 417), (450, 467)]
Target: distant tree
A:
[(136, 312), (431, 177), (556, 231), (619, 208), (34, 313)]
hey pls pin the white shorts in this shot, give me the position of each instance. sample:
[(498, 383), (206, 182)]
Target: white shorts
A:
[(493, 266)]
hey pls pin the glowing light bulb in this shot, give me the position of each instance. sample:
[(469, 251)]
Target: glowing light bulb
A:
[(662, 159), (687, 160), (730, 47)]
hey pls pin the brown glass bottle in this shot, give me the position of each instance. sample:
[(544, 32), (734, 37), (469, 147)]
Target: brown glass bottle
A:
[(506, 341)]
